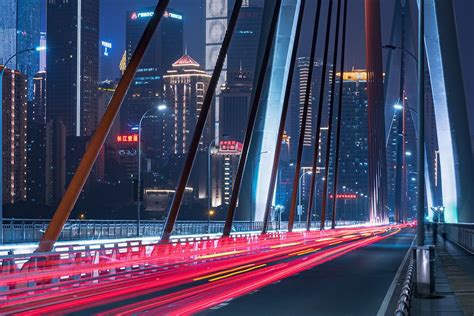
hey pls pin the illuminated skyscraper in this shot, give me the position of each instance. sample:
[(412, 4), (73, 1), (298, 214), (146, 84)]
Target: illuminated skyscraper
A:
[(225, 159), (353, 157), (20, 30), (14, 142), (165, 48), (185, 87), (37, 141), (73, 64)]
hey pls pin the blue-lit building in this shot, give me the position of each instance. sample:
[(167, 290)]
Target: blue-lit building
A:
[(73, 64), (20, 30), (165, 48)]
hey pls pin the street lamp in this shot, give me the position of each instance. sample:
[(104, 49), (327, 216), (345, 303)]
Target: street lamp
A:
[(209, 214), (2, 71), (300, 207), (393, 47), (162, 107)]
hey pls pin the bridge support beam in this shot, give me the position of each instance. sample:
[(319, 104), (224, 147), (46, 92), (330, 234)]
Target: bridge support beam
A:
[(87, 162), (376, 113)]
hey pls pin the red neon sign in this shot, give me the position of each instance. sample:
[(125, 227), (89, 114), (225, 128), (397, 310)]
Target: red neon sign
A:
[(344, 196), (131, 138), (230, 146)]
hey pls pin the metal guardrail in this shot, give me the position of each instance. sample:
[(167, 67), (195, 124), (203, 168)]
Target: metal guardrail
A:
[(29, 230), (462, 234), (403, 304)]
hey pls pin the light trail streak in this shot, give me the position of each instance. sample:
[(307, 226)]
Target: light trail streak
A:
[(242, 265)]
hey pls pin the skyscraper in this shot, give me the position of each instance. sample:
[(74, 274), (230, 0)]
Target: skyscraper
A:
[(73, 64), (14, 142), (37, 141), (235, 104), (352, 190), (294, 120), (243, 48), (165, 48), (20, 30), (185, 87), (225, 160)]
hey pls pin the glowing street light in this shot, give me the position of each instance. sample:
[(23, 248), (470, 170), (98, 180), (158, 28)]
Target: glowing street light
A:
[(398, 106)]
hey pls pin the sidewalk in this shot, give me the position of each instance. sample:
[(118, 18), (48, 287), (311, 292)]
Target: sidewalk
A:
[(454, 271)]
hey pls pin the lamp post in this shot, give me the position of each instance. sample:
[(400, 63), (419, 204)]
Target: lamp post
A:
[(2, 72), (300, 207), (209, 214), (161, 107)]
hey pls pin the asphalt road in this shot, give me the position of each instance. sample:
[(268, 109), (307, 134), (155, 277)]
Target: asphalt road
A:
[(336, 272), (353, 284)]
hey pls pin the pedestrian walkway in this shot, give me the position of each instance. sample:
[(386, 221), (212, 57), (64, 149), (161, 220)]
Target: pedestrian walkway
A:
[(454, 270)]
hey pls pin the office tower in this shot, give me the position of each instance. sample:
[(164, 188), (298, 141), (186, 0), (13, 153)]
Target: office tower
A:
[(225, 160), (105, 62), (295, 116), (353, 155), (55, 161), (37, 141), (20, 30), (235, 97), (73, 64), (165, 48), (243, 48), (14, 142), (185, 87)]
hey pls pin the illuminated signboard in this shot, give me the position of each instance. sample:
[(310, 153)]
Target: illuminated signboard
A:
[(344, 196), (130, 138), (139, 15), (230, 147), (106, 46)]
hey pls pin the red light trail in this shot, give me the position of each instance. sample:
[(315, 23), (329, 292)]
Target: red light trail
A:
[(179, 278)]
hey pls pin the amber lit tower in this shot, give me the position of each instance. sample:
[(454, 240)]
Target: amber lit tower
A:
[(15, 119), (185, 86)]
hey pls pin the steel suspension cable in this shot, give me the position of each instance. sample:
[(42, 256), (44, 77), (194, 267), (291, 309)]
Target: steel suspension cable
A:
[(299, 154), (79, 179), (339, 118), (251, 122), (319, 117), (193, 147), (330, 117)]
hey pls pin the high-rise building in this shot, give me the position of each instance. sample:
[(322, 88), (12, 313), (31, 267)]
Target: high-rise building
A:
[(225, 160), (236, 94), (19, 31), (244, 45), (37, 141), (295, 117), (73, 64), (14, 142), (185, 87), (352, 190), (165, 48), (106, 69), (55, 161)]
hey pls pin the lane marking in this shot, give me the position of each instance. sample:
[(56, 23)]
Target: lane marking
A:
[(286, 245), (221, 254), (235, 273), (391, 289), (223, 272)]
